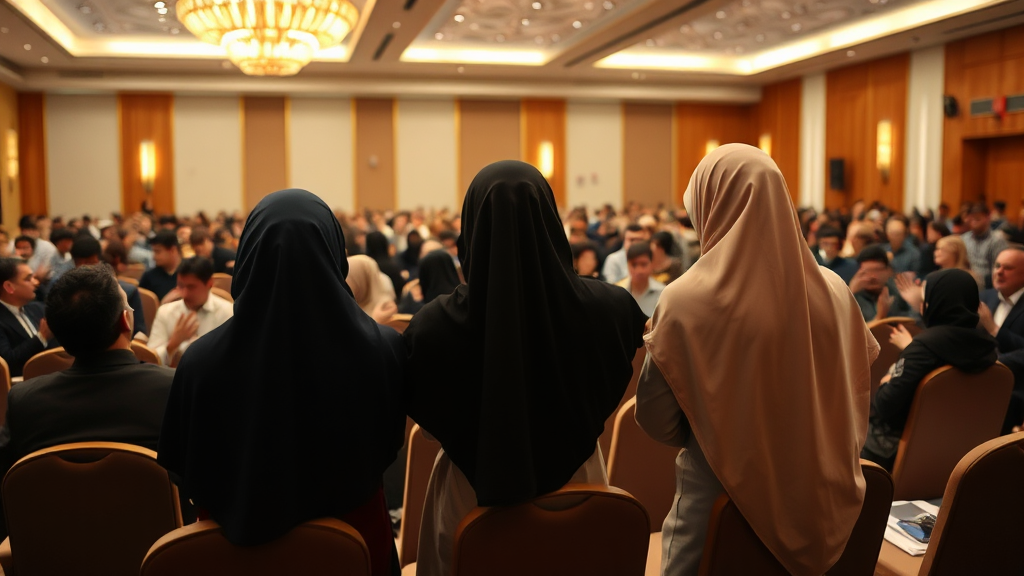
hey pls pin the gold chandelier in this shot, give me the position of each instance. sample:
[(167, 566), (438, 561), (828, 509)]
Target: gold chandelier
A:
[(269, 37)]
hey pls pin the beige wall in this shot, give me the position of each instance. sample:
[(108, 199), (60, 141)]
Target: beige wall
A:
[(593, 149), (10, 201), (425, 152), (83, 156), (320, 149), (207, 154)]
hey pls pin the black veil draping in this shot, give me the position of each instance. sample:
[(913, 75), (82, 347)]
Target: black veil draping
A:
[(291, 410), (516, 371)]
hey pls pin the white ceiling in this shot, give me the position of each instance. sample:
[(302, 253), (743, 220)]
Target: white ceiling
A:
[(719, 50)]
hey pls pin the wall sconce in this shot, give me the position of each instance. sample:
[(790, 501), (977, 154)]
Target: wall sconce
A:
[(883, 153), (546, 159), (12, 154), (710, 147), (147, 164), (764, 142)]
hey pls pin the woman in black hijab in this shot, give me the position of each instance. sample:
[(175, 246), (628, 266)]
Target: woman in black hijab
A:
[(543, 359), (438, 276), (951, 336), (378, 248), (290, 410)]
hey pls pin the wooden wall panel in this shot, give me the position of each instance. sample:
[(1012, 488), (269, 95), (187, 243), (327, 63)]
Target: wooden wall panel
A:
[(374, 128), (778, 116), (985, 66), (696, 124), (146, 117), (265, 141), (487, 131), (32, 153), (1004, 172), (858, 98), (647, 146), (544, 120)]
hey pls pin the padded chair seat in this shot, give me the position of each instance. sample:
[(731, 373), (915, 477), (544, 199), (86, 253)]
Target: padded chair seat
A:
[(654, 555), (895, 562)]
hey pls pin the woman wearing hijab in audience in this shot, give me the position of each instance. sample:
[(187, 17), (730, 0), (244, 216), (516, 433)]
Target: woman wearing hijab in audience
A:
[(371, 288), (758, 366), (267, 428), (951, 336), (544, 359), (438, 277), (411, 256), (378, 248)]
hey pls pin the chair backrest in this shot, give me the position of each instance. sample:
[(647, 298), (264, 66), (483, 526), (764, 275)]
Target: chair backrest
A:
[(225, 294), (134, 271), (888, 353), (732, 547), (580, 529), (399, 322), (420, 456), (222, 281), (87, 508), (5, 387), (318, 547), (145, 353), (129, 279), (641, 466), (952, 412), (150, 303), (605, 440), (47, 362), (978, 529)]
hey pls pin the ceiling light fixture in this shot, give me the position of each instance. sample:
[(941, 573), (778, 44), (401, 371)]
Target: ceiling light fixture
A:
[(269, 37)]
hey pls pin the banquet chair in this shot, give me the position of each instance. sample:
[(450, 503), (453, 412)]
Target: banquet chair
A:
[(150, 304), (145, 353), (888, 353), (134, 271), (605, 440), (222, 281), (5, 383), (420, 457), (129, 279), (326, 546), (86, 508), (399, 322), (225, 294), (580, 529), (47, 362)]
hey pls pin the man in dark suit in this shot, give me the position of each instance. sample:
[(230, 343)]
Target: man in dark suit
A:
[(86, 252), (24, 331), (1002, 315), (106, 395)]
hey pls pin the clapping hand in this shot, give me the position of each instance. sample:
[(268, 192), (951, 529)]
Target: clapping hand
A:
[(909, 287), (900, 337)]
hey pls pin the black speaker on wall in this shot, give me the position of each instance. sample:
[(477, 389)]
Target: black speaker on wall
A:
[(950, 106), (837, 174)]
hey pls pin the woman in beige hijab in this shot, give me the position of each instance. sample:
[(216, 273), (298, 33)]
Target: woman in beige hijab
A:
[(371, 288), (758, 367)]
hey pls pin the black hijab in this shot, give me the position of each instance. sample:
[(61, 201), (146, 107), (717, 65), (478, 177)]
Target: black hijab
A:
[(951, 320), (411, 255), (516, 371), (290, 410), (438, 275), (378, 248)]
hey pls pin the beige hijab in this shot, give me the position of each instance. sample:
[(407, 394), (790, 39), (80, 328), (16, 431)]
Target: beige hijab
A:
[(769, 357), (364, 278)]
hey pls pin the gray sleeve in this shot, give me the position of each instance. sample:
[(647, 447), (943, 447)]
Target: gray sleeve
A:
[(657, 411)]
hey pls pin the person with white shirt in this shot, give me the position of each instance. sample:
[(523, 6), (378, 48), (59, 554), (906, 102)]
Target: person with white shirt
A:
[(1002, 316), (615, 267), (641, 285), (23, 329), (182, 322), (42, 250)]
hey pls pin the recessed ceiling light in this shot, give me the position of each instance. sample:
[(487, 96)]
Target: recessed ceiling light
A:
[(474, 26), (795, 27), (717, 35), (609, 5), (577, 24), (460, 18), (537, 5), (650, 42), (588, 5), (525, 21), (161, 19), (721, 14), (500, 38), (786, 15), (539, 39), (396, 25), (738, 49), (439, 36), (159, 5), (851, 53), (460, 69), (84, 9), (226, 65), (175, 31), (684, 28), (759, 38), (555, 38), (44, 60), (4, 30), (27, 46), (161, 11)]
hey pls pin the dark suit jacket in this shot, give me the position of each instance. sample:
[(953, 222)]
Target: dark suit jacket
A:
[(16, 345), (221, 257), (1010, 341)]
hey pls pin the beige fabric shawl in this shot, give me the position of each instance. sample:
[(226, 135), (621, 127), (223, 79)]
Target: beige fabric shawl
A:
[(769, 358), (364, 278)]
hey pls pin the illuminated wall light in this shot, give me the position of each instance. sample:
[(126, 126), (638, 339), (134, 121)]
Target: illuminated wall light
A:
[(710, 147), (764, 142), (147, 164), (883, 153), (12, 154), (546, 159)]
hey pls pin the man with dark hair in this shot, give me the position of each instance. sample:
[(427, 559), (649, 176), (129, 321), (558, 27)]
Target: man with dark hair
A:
[(998, 214), (644, 289), (86, 252), (62, 239), (203, 245), (873, 286), (830, 243), (43, 250), (615, 268), (983, 245), (181, 322), (24, 331), (163, 277), (107, 395), (25, 247)]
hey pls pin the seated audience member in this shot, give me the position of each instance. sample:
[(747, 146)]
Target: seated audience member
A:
[(830, 241), (615, 267), (86, 252), (951, 252), (42, 250), (545, 357), (767, 399), (859, 235), (264, 430), (951, 336), (180, 323), (116, 256), (584, 260), (641, 285), (664, 266), (371, 288), (24, 331), (449, 239), (1002, 316), (874, 287), (905, 255), (25, 247), (163, 277), (379, 248), (933, 233), (438, 277), (983, 244), (61, 262), (202, 244)]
